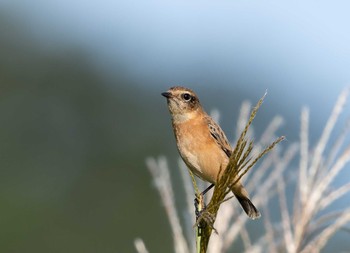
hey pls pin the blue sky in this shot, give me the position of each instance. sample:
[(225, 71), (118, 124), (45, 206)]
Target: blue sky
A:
[(303, 41), (299, 51)]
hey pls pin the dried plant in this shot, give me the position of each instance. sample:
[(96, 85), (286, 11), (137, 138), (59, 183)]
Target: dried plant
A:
[(302, 228), (240, 162)]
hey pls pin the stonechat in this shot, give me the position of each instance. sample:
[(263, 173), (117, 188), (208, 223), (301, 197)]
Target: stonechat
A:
[(201, 142)]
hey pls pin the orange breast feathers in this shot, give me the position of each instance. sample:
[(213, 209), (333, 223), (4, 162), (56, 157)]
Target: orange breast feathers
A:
[(199, 150)]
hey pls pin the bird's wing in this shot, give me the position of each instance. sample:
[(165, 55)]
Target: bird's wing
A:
[(219, 136)]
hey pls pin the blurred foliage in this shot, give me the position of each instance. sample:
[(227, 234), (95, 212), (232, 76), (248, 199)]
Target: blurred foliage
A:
[(73, 140), (73, 144)]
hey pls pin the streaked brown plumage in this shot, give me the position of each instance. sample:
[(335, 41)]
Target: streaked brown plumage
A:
[(201, 143)]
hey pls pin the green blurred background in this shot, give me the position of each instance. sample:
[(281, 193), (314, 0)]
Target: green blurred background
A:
[(81, 109)]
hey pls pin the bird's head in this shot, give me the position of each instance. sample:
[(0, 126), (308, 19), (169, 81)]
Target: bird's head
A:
[(183, 103)]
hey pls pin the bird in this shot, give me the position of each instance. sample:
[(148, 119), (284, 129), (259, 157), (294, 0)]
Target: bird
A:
[(201, 142)]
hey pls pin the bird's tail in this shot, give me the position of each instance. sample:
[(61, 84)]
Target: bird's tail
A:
[(242, 196)]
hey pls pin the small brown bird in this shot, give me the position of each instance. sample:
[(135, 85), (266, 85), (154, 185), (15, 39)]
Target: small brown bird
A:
[(202, 144)]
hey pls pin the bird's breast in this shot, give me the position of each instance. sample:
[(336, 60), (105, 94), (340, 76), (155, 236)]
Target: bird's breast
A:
[(199, 150)]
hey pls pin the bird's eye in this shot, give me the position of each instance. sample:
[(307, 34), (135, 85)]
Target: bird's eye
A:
[(186, 96)]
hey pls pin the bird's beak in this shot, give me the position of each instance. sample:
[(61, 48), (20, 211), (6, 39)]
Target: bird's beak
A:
[(167, 94)]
